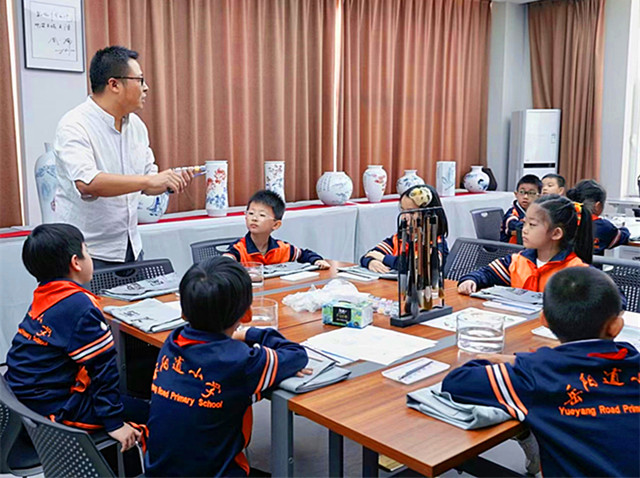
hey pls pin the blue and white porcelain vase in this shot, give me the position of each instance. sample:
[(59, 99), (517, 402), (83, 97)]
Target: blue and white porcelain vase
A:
[(151, 208), (217, 199), (47, 183), (446, 178), (334, 188), (274, 177), (409, 179), (374, 181), (476, 181)]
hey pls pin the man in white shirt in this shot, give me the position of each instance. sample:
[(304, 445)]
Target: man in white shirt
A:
[(104, 161)]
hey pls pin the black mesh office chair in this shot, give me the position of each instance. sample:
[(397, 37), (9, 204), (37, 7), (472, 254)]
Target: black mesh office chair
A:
[(210, 248), (468, 254), (626, 275), (487, 222), (126, 273)]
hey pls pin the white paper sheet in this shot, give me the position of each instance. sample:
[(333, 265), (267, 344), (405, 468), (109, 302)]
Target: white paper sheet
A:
[(448, 322), (371, 343)]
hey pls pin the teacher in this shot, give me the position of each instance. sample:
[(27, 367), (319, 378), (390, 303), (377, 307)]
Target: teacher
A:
[(104, 161)]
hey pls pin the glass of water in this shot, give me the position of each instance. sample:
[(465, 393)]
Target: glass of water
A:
[(264, 313), (477, 332), (256, 272)]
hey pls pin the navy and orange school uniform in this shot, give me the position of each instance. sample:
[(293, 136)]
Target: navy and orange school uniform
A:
[(62, 361), (511, 223), (202, 391), (580, 399), (607, 236), (521, 270), (390, 247), (278, 252)]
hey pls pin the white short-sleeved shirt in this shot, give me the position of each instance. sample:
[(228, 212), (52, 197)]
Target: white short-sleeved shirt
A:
[(86, 144)]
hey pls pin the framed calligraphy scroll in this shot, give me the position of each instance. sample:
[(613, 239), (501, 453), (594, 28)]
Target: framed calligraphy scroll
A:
[(53, 34)]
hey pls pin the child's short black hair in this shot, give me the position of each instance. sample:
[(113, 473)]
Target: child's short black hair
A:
[(48, 250), (559, 179), (578, 302), (271, 199), (215, 294), (530, 179)]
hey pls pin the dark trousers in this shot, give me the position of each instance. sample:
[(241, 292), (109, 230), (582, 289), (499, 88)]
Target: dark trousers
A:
[(129, 257)]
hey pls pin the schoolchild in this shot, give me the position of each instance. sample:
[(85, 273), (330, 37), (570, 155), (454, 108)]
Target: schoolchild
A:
[(384, 256), (264, 216), (553, 184), (527, 190)]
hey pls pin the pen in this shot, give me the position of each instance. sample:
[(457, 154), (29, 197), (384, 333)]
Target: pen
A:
[(415, 369), (321, 353)]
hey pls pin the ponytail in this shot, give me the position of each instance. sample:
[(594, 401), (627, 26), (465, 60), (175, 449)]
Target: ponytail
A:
[(575, 221)]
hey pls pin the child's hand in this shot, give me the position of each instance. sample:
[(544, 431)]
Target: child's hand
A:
[(467, 287), (377, 266), (497, 358), (304, 371), (126, 435), (322, 264), (376, 255), (240, 333)]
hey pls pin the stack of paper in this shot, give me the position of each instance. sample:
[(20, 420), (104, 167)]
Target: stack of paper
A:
[(277, 270), (165, 284), (324, 373), (149, 315), (372, 344), (511, 299), (448, 322)]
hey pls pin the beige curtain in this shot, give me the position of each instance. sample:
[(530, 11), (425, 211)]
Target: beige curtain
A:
[(242, 80), (567, 63), (414, 86), (10, 214)]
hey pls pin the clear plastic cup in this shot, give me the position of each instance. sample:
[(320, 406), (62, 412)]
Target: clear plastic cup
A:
[(264, 313), (256, 272), (477, 332)]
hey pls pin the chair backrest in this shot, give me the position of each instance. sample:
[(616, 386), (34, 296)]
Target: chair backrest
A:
[(113, 276), (468, 254), (65, 451), (210, 248), (487, 222), (626, 275)]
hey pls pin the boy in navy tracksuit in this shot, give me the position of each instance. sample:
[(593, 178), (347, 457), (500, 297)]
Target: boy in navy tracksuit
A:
[(263, 216), (62, 361), (580, 399), (527, 190), (209, 373)]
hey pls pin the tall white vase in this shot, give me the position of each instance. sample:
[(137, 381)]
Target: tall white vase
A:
[(334, 188), (274, 177), (47, 183), (217, 199), (374, 181), (476, 180), (446, 178), (409, 179)]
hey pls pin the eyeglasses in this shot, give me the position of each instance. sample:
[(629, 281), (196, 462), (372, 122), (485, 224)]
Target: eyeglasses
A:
[(139, 78), (531, 194), (257, 215)]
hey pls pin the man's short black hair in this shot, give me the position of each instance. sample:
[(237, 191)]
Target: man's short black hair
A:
[(530, 179), (48, 250), (578, 302), (559, 179), (110, 62), (271, 199), (215, 294)]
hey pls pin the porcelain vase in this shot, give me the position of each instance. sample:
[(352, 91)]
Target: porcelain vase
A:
[(476, 181), (334, 188), (274, 177), (152, 208), (446, 178), (374, 181), (409, 179), (47, 183), (217, 199)]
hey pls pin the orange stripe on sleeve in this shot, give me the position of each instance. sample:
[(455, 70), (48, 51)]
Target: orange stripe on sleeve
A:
[(85, 347), (275, 368), (264, 372), (514, 395), (97, 352), (496, 391)]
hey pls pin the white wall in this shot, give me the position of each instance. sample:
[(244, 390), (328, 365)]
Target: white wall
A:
[(509, 81), (44, 96)]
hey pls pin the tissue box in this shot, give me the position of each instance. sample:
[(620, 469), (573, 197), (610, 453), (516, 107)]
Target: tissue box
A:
[(347, 314)]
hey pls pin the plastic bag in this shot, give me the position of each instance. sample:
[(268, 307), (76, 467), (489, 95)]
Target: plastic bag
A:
[(314, 298)]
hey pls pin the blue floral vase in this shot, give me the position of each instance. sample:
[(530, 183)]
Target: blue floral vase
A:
[(47, 183), (409, 179)]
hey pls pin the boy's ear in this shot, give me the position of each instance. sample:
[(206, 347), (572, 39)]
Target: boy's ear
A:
[(74, 264), (613, 327), (543, 320), (561, 189), (276, 224)]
